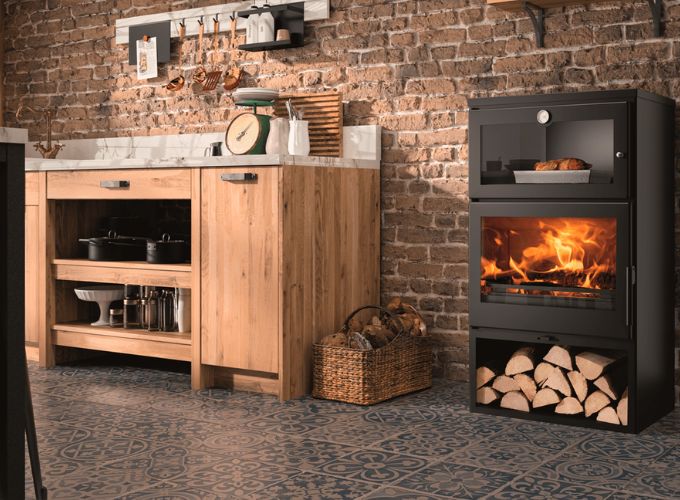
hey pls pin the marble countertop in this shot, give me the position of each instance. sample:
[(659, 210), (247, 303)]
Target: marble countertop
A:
[(40, 165), (13, 135)]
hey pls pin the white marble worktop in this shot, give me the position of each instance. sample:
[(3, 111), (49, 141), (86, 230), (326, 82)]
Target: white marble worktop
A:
[(40, 165), (13, 135)]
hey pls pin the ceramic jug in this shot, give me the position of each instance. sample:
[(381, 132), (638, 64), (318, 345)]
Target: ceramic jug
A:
[(277, 140), (298, 138)]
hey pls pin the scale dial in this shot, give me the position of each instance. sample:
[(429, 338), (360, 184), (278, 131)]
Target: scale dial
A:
[(243, 134)]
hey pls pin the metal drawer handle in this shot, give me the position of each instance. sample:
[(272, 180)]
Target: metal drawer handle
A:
[(110, 184), (239, 177)]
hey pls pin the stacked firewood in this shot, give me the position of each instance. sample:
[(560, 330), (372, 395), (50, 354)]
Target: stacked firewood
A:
[(569, 384)]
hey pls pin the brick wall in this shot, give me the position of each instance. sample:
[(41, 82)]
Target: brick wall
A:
[(406, 65)]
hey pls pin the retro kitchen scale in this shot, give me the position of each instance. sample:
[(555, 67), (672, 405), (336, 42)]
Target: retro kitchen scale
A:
[(247, 133)]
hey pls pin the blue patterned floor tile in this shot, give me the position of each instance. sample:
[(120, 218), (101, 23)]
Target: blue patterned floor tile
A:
[(309, 485), (394, 493), (455, 480), (400, 416), (352, 429), (374, 466), (514, 457), (579, 468), (467, 425), (624, 495), (290, 422), (300, 453), (427, 442), (623, 447), (546, 489), (170, 491)]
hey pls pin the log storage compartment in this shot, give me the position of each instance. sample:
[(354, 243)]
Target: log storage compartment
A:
[(564, 383), (571, 280)]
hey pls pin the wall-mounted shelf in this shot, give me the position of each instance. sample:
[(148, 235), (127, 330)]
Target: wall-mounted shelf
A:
[(535, 9), (313, 10), (288, 16)]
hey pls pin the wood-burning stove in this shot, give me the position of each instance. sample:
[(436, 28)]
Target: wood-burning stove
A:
[(579, 258)]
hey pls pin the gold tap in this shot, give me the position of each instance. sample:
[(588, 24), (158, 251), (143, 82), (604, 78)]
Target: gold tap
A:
[(51, 150)]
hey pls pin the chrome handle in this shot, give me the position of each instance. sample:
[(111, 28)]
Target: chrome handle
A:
[(111, 184), (627, 296), (247, 176), (620, 154)]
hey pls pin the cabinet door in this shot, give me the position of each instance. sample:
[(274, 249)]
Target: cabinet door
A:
[(240, 269)]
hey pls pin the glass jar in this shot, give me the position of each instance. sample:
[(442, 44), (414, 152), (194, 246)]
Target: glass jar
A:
[(131, 313), (151, 311), (116, 318)]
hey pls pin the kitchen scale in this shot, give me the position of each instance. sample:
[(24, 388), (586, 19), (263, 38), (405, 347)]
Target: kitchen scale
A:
[(247, 133)]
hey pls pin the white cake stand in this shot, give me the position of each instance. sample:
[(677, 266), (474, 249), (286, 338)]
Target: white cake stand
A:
[(102, 295)]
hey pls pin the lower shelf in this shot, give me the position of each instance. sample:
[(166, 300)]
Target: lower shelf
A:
[(176, 346)]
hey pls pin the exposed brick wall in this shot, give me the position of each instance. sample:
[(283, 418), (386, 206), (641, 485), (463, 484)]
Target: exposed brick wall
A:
[(406, 65)]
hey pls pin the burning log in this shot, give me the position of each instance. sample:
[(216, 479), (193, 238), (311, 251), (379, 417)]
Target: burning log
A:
[(486, 395), (622, 408), (522, 360), (527, 385), (605, 384), (542, 372), (591, 365), (579, 383), (608, 414), (545, 397), (558, 355), (569, 406), (558, 381), (505, 384), (515, 400), (595, 402), (484, 376)]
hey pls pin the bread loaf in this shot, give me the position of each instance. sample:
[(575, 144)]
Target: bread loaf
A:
[(562, 164)]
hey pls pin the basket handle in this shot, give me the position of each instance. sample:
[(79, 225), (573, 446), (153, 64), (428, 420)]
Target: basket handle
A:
[(386, 312)]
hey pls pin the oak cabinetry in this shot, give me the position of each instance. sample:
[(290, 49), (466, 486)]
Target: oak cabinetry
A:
[(31, 255), (278, 258)]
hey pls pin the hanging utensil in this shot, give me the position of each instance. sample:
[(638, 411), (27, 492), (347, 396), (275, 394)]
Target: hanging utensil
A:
[(199, 74), (177, 83), (212, 78), (233, 75)]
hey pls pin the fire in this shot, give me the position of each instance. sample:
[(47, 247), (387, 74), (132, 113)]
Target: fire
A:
[(568, 252)]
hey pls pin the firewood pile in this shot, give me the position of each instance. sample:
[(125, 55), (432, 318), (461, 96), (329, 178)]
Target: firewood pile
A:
[(566, 383)]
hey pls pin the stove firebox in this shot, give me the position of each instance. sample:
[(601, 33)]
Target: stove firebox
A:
[(571, 257)]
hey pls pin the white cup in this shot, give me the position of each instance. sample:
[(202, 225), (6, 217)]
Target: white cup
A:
[(298, 138)]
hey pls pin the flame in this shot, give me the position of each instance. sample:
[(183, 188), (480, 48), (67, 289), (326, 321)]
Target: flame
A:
[(568, 252)]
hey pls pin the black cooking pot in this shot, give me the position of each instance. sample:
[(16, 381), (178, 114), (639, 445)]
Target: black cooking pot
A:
[(166, 251), (114, 247)]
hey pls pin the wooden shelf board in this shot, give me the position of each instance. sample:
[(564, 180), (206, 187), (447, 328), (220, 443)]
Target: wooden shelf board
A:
[(139, 273), (175, 346)]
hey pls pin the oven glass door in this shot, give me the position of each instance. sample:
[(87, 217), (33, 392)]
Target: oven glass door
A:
[(551, 267), (507, 144)]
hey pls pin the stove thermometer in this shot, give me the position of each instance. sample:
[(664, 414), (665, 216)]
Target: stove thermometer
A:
[(543, 116)]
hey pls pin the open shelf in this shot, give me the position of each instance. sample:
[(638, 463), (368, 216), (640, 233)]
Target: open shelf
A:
[(164, 345), (139, 273), (275, 45), (286, 16)]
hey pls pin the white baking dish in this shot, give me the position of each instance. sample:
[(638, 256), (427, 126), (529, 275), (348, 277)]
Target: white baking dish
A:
[(552, 176)]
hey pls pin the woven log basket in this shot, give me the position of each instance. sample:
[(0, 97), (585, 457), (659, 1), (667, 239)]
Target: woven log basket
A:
[(366, 377)]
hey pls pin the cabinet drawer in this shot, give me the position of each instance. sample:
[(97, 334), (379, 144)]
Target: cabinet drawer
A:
[(120, 184)]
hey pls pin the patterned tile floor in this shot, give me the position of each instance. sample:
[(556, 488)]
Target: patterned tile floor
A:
[(116, 430)]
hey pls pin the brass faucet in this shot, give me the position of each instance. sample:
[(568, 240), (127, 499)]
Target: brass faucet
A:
[(51, 150)]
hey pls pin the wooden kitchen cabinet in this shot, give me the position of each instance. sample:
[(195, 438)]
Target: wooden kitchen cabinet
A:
[(31, 255), (240, 270)]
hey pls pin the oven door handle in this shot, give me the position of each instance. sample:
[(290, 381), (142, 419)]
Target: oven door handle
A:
[(628, 283)]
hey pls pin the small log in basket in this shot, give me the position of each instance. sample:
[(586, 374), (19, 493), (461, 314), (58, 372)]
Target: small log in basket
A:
[(583, 384), (369, 376)]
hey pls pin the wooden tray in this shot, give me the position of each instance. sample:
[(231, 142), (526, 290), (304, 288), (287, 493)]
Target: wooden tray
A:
[(323, 111)]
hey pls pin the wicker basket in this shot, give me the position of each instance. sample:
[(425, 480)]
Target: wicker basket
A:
[(369, 377)]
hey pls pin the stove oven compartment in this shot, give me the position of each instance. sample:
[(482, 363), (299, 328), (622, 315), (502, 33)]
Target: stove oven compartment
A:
[(551, 267)]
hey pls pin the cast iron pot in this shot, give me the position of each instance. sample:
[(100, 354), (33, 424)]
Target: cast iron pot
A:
[(166, 251), (114, 247)]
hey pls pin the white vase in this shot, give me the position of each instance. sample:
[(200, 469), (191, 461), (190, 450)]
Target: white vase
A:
[(277, 140), (184, 310), (298, 138)]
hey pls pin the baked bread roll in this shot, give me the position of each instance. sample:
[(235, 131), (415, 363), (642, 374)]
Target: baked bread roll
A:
[(562, 164), (542, 166)]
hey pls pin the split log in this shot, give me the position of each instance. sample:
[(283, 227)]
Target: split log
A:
[(515, 400), (605, 384), (622, 408), (527, 385), (608, 414), (592, 365), (521, 361), (542, 372), (484, 375), (558, 381), (569, 406), (504, 384), (595, 402), (545, 397), (486, 395), (560, 356), (579, 383)]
